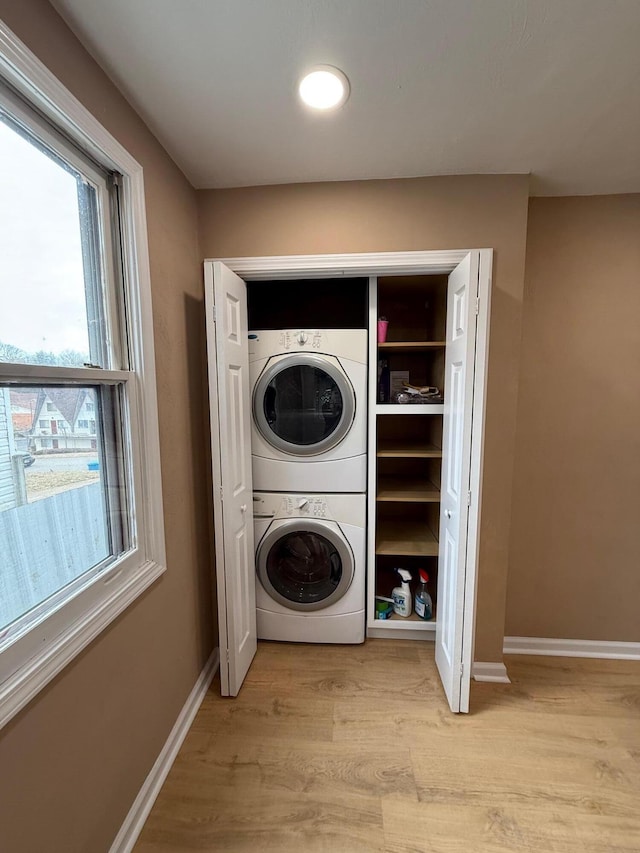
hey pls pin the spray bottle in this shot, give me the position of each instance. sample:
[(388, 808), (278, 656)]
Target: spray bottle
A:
[(402, 594), (424, 604)]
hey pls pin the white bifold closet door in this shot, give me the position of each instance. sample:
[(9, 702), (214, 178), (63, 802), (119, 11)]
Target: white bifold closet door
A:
[(229, 391), (455, 621)]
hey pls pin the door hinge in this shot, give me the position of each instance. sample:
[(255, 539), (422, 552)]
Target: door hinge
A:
[(461, 670), (221, 494), (468, 498), (213, 313), (477, 305)]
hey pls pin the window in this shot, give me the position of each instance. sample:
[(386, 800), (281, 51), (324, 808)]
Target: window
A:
[(81, 528)]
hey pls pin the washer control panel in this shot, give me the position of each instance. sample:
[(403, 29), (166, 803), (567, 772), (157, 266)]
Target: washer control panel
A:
[(296, 505), (290, 506)]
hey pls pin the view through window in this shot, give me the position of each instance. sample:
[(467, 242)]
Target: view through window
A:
[(63, 496)]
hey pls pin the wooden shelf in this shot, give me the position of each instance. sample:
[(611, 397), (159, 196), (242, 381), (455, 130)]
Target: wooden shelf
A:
[(400, 449), (411, 345), (407, 623), (407, 490), (405, 539), (409, 408)]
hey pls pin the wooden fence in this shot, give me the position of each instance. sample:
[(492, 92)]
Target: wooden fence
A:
[(47, 544)]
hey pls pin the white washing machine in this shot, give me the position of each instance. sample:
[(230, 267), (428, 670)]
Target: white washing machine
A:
[(310, 566), (309, 424)]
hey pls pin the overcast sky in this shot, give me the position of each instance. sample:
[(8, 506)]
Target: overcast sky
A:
[(42, 304)]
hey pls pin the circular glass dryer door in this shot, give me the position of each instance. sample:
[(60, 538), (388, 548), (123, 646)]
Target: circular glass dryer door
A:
[(305, 564), (303, 404)]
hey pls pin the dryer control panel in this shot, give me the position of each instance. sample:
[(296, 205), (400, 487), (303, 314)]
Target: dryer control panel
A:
[(339, 343), (303, 339)]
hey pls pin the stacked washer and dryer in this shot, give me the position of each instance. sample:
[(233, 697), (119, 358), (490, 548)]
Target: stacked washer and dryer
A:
[(309, 459)]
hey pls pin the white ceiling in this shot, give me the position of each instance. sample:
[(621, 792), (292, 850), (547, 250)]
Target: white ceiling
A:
[(550, 87)]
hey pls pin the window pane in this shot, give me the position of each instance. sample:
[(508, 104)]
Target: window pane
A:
[(50, 279), (57, 490)]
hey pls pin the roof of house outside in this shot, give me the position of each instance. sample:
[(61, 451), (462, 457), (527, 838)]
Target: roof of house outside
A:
[(68, 401), (24, 398)]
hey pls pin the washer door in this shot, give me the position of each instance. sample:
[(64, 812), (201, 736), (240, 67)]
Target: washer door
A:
[(305, 564), (303, 404)]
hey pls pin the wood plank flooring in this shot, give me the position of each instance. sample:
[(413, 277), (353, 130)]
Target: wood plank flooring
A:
[(343, 749)]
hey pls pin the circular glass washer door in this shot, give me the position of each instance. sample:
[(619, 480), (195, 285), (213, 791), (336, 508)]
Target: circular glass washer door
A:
[(303, 404), (305, 564)]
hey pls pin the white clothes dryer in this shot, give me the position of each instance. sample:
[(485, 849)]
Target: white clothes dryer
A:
[(309, 424), (310, 567)]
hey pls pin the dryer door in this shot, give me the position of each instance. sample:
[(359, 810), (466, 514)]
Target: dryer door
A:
[(303, 404), (305, 564)]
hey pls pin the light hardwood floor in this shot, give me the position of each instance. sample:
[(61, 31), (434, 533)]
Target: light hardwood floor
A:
[(347, 749)]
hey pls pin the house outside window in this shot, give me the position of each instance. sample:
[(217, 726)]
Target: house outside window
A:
[(72, 247)]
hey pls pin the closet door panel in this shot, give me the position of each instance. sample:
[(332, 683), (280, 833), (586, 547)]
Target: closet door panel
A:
[(456, 453)]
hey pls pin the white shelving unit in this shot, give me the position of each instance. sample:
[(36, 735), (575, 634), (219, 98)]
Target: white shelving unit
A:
[(412, 624), (405, 449), (407, 408)]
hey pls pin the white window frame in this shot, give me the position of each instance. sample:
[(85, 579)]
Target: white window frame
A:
[(32, 659)]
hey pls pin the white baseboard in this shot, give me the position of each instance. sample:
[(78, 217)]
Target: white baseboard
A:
[(571, 648), (490, 671), (143, 803)]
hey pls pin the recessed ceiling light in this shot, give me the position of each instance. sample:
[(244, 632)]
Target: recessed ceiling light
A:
[(324, 88)]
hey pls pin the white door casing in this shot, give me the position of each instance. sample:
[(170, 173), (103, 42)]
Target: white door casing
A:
[(467, 347), (462, 295), (229, 391)]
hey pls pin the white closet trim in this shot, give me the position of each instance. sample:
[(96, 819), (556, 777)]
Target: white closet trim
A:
[(490, 671), (372, 263)]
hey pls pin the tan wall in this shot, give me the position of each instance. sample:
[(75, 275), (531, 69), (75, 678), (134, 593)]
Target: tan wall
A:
[(74, 760), (414, 214), (575, 537)]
